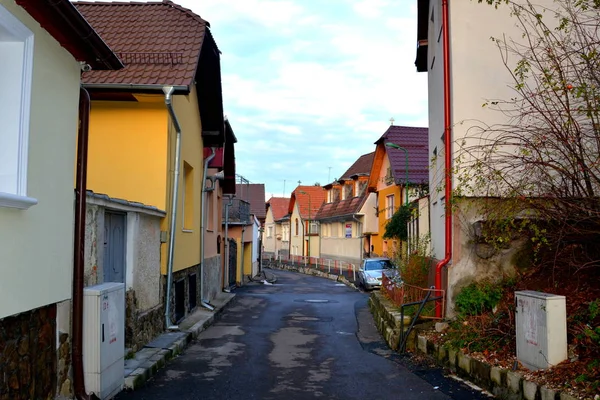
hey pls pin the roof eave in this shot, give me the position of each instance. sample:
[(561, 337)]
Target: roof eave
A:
[(65, 23)]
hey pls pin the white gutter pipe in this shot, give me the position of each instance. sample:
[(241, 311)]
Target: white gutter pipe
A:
[(204, 303), (168, 90)]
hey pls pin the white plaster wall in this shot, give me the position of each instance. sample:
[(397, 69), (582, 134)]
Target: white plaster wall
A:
[(270, 243), (37, 244), (255, 245)]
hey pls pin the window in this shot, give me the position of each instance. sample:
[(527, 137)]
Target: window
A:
[(286, 232), (313, 228), (389, 206), (16, 69), (188, 197), (269, 231), (357, 189), (348, 191), (296, 226)]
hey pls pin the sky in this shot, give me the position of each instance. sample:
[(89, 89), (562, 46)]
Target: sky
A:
[(310, 85)]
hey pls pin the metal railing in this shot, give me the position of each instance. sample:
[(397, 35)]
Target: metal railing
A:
[(331, 266)]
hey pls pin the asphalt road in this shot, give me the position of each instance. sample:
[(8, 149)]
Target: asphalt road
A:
[(301, 338)]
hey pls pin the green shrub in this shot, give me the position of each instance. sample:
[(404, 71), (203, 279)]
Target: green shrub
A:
[(478, 297)]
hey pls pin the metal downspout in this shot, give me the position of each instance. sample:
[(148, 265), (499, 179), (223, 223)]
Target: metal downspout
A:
[(243, 254), (447, 158), (227, 277), (168, 90), (203, 302), (79, 246)]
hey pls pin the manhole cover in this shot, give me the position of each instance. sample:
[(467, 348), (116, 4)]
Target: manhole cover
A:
[(315, 301), (307, 319)]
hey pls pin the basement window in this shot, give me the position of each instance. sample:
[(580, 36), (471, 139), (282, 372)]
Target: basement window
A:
[(16, 70)]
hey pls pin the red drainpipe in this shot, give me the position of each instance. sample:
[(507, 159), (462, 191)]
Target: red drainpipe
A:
[(79, 239), (447, 158)]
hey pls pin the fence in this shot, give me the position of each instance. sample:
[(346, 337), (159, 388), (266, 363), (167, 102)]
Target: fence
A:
[(402, 294), (338, 267)]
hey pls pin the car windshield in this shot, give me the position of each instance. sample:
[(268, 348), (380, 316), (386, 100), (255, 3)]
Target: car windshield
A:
[(375, 265)]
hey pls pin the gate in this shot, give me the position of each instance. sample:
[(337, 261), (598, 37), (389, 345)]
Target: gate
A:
[(232, 261), (114, 247)]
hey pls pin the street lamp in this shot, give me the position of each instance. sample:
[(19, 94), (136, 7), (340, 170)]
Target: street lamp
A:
[(308, 247), (395, 146)]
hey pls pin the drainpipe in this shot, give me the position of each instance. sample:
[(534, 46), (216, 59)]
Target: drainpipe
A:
[(79, 246), (168, 90), (226, 264), (447, 158), (360, 241), (243, 253), (203, 302)]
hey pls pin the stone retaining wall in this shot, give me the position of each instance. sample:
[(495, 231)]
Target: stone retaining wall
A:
[(141, 327), (28, 355), (503, 383)]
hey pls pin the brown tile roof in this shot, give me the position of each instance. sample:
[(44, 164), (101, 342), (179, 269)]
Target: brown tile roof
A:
[(360, 166), (253, 193), (341, 208), (61, 19), (159, 42), (279, 206), (313, 196), (350, 206), (416, 143)]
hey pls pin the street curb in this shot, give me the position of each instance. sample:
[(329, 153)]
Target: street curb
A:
[(160, 359)]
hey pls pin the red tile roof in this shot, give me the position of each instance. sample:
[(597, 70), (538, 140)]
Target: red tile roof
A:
[(279, 207), (159, 42), (416, 143), (253, 193), (313, 196)]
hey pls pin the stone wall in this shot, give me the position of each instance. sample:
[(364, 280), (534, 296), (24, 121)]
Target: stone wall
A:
[(141, 326), (177, 276), (212, 278), (28, 355)]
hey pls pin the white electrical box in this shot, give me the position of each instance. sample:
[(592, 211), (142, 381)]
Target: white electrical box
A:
[(104, 339), (541, 325)]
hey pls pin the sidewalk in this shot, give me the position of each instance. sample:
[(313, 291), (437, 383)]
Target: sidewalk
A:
[(146, 362)]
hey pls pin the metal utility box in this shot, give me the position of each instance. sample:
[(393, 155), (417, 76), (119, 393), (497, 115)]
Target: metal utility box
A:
[(104, 339), (541, 329)]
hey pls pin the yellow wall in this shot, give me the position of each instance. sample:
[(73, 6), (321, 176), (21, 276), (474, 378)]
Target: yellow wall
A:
[(187, 241), (384, 190), (127, 150)]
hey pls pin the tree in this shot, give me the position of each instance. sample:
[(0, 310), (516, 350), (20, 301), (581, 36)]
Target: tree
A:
[(544, 162)]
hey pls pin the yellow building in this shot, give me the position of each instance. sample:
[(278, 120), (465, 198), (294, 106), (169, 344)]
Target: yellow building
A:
[(400, 162), (133, 146)]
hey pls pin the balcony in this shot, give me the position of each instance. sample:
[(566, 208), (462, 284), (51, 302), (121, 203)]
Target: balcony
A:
[(239, 212)]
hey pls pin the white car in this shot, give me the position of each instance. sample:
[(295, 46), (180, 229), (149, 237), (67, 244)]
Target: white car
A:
[(371, 272)]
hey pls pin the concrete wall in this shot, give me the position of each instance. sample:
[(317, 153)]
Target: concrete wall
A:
[(37, 244)]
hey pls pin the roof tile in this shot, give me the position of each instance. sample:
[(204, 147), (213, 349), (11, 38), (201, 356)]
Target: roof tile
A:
[(159, 42), (279, 206), (416, 143)]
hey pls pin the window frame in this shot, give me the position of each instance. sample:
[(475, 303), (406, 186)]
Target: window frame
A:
[(17, 197)]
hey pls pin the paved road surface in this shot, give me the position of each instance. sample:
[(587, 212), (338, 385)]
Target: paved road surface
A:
[(302, 338)]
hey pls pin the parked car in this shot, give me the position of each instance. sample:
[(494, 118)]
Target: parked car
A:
[(371, 272)]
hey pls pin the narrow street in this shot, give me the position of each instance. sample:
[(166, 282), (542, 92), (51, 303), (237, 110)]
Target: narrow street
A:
[(303, 337)]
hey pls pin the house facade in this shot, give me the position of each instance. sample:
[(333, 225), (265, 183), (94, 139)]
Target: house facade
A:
[(398, 175), (43, 54), (348, 216), (464, 69), (303, 207), (273, 237), (157, 130)]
